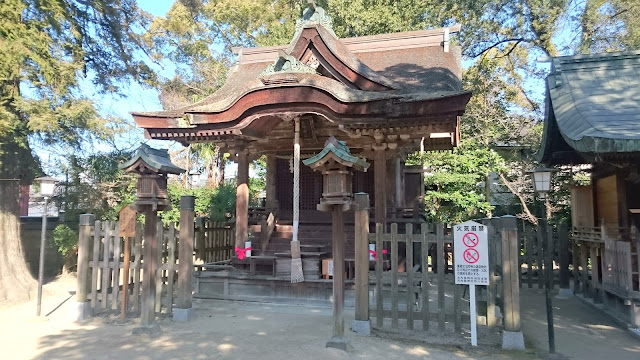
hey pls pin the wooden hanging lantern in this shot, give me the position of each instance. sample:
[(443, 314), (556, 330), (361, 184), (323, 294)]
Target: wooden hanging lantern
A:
[(152, 167), (336, 163)]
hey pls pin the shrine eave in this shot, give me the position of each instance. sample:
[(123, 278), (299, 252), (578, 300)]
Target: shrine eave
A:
[(260, 111)]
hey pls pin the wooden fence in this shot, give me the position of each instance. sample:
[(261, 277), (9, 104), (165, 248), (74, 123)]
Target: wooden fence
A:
[(105, 263), (533, 255), (607, 260), (420, 293), (214, 241)]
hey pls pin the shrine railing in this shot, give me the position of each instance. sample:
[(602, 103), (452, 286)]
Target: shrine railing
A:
[(606, 259)]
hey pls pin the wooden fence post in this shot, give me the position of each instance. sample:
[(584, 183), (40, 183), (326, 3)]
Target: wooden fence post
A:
[(362, 324), (563, 238), (512, 337), (184, 304), (82, 307), (150, 267)]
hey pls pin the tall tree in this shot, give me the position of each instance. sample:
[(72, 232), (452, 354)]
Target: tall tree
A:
[(48, 48)]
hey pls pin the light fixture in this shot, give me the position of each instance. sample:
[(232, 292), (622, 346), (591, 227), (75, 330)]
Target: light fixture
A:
[(47, 185), (541, 180)]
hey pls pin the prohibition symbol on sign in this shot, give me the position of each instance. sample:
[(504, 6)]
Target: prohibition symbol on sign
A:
[(471, 256), (470, 239)]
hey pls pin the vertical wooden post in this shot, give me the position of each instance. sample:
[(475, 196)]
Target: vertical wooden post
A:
[(242, 199), (575, 255), (394, 275), (271, 202), (380, 186), (337, 244), (491, 288), (563, 236), (86, 222), (185, 259), (150, 265), (442, 261), (362, 324), (199, 242), (82, 308), (125, 277), (512, 337)]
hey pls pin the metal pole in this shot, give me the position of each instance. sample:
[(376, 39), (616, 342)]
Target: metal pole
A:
[(548, 271), (41, 266)]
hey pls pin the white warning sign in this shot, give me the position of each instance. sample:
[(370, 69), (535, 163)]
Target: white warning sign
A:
[(471, 253)]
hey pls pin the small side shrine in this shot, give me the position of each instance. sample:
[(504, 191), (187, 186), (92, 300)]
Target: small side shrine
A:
[(152, 167), (336, 162)]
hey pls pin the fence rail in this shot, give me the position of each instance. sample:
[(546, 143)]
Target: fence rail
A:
[(106, 280), (214, 241), (408, 294), (606, 259)]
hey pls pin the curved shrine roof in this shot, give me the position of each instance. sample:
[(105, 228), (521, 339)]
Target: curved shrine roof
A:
[(384, 79), (593, 107)]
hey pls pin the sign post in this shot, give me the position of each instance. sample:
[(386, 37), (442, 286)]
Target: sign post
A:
[(471, 256)]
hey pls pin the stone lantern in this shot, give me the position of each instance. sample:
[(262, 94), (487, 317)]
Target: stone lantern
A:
[(336, 162), (152, 166)]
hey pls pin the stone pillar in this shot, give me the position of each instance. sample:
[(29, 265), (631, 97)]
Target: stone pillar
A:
[(242, 199), (184, 303), (362, 324), (270, 186), (380, 185), (82, 308)]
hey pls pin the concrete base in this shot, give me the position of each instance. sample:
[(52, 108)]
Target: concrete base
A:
[(498, 312), (361, 327), (338, 342), (564, 294), (512, 340), (81, 311), (151, 330), (182, 314)]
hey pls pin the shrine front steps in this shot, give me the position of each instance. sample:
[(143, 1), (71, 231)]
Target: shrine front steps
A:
[(318, 235)]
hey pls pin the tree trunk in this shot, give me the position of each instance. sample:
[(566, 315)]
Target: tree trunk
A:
[(221, 166), (16, 283)]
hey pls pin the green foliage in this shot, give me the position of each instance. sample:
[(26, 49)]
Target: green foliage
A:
[(95, 185), (453, 182), (216, 203), (48, 48), (66, 239)]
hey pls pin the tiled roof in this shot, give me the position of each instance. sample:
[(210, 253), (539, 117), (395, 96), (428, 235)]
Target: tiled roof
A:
[(593, 105)]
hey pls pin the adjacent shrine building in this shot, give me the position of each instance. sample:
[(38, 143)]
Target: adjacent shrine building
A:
[(384, 95)]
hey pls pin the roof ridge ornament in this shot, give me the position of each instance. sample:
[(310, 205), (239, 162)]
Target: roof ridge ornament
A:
[(287, 64), (314, 15)]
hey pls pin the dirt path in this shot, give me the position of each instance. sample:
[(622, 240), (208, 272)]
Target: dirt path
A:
[(220, 330)]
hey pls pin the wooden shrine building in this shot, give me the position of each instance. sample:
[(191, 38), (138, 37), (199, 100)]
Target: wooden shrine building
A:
[(385, 96), (593, 117)]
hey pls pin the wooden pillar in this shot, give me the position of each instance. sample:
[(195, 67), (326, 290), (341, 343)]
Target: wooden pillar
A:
[(242, 199), (185, 252), (563, 238), (362, 264), (86, 222), (380, 185), (512, 337), (392, 179), (150, 265), (270, 183), (337, 245)]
